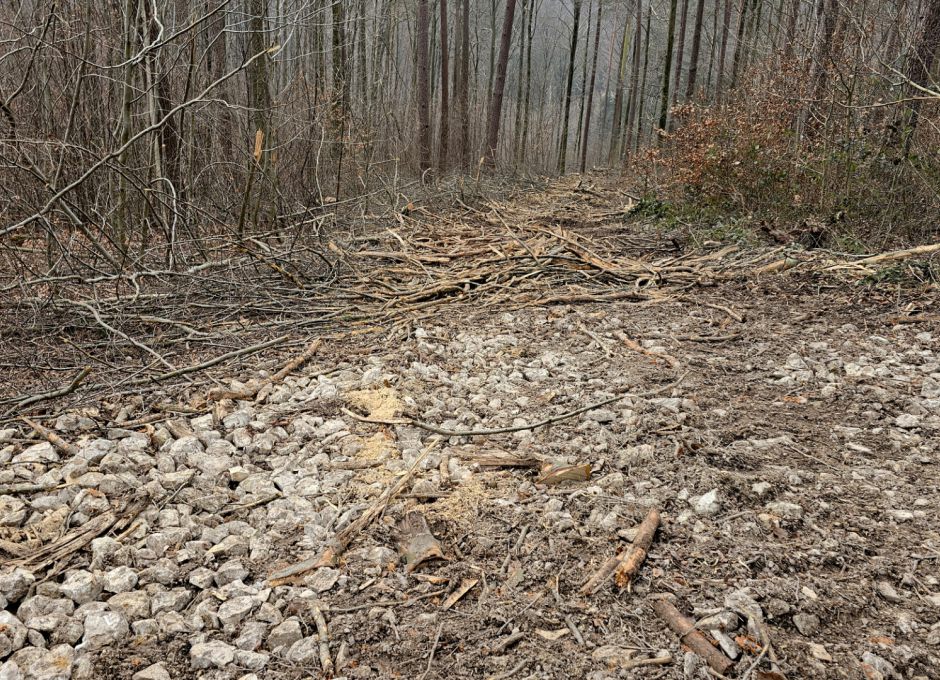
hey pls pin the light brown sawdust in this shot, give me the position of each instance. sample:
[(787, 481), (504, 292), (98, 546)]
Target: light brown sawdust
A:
[(381, 403), (463, 504), (378, 447)]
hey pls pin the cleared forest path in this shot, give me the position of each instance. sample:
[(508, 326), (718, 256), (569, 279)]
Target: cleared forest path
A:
[(339, 515)]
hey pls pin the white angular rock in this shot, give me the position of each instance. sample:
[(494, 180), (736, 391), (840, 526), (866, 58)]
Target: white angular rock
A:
[(253, 661), (907, 421), (323, 579), (807, 624), (234, 610), (231, 571), (213, 654), (55, 664), (11, 671), (42, 452), (155, 672), (119, 580), (785, 510), (103, 629), (707, 504), (15, 583), (80, 587), (251, 636), (170, 601), (284, 634), (12, 633), (133, 605)]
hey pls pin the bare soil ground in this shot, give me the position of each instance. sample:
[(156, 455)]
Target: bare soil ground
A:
[(793, 454)]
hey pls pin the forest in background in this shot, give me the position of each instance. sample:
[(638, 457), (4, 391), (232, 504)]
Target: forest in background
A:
[(133, 130)]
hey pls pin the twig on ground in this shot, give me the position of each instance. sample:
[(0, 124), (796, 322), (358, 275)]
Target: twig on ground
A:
[(52, 438), (61, 392), (437, 638), (518, 428), (342, 540), (323, 639)]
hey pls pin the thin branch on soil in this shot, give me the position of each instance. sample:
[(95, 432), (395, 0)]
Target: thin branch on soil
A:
[(518, 428), (61, 392)]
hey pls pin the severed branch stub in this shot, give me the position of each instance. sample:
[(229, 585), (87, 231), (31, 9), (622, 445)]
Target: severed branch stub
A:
[(690, 636), (627, 563), (416, 542)]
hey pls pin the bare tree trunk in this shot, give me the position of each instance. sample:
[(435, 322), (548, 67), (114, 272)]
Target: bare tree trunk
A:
[(499, 86), (463, 86), (713, 48), (790, 37), (725, 30), (680, 52), (824, 52), (646, 63), (696, 47), (615, 136), (584, 80), (590, 101), (422, 89), (634, 81), (667, 69), (563, 143), (919, 68), (340, 102), (530, 33), (445, 84), (520, 85), (739, 44)]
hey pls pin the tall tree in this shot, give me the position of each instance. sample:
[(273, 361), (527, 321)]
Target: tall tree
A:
[(590, 101), (463, 86), (572, 53), (530, 35), (646, 63), (723, 51), (696, 47), (789, 40), (423, 89), (667, 69), (919, 67), (584, 79), (499, 86), (635, 79), (680, 51), (830, 16), (445, 84), (739, 46), (615, 136)]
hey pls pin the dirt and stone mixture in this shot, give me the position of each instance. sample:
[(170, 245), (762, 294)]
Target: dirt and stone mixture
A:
[(790, 440)]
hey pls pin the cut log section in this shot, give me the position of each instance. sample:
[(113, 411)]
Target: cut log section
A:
[(416, 543)]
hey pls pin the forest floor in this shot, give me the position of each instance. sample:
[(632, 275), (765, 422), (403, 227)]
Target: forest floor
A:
[(780, 410)]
